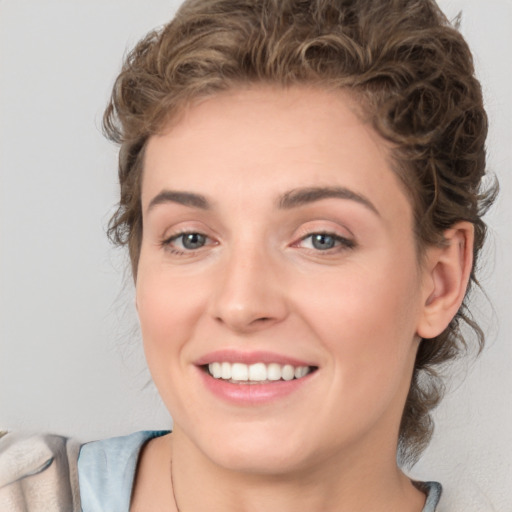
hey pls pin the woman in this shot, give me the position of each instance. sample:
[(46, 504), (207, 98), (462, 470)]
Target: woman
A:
[(300, 196)]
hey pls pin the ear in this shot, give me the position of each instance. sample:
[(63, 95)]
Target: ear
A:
[(446, 274)]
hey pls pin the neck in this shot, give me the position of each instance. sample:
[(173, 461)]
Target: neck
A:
[(344, 482)]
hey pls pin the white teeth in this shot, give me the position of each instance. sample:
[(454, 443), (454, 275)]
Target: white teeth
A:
[(274, 371), (288, 372), (239, 371), (301, 371), (225, 371), (216, 370), (257, 372)]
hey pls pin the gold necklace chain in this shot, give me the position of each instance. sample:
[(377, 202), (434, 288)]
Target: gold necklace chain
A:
[(173, 492)]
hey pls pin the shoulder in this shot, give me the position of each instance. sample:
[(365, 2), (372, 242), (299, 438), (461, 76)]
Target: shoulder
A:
[(38, 471), (58, 474), (433, 492), (107, 465)]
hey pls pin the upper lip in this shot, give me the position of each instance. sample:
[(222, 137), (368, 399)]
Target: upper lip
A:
[(249, 357)]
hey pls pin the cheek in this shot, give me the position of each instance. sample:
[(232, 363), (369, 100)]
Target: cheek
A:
[(169, 309), (366, 321), (364, 297)]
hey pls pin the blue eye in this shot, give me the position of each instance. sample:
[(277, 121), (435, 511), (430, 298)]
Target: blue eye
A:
[(192, 241), (326, 242), (187, 241), (323, 242)]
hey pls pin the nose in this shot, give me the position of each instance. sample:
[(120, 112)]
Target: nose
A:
[(249, 294)]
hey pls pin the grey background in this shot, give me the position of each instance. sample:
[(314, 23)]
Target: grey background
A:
[(70, 356)]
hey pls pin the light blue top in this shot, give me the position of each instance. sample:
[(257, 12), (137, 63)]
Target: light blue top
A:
[(106, 470)]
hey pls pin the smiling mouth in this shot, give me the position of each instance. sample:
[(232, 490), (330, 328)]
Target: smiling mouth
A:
[(257, 373)]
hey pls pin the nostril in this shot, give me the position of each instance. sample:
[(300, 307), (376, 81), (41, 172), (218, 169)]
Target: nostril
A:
[(262, 321)]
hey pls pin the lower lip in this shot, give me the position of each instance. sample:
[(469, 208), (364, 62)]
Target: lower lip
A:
[(246, 394)]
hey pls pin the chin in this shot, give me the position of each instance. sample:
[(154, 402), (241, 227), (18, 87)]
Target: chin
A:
[(257, 449), (258, 460)]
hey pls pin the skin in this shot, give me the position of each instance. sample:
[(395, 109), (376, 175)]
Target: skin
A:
[(355, 311)]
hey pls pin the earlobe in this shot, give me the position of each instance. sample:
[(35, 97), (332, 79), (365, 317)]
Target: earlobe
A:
[(447, 269)]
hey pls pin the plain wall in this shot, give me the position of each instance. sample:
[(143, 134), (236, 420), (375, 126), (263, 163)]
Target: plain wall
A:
[(70, 355)]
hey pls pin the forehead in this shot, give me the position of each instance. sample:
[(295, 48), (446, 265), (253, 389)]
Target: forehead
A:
[(270, 140)]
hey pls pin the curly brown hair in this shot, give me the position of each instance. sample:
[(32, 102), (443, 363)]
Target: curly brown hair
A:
[(409, 67)]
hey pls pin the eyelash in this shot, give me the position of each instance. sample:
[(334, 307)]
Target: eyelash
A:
[(167, 243), (341, 243)]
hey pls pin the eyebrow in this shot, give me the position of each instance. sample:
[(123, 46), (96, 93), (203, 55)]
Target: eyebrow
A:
[(302, 196), (291, 199), (183, 198)]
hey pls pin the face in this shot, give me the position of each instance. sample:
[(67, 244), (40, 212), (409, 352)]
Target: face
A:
[(278, 287)]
